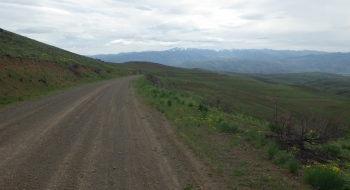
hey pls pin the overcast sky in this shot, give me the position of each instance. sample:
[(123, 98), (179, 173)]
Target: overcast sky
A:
[(111, 26)]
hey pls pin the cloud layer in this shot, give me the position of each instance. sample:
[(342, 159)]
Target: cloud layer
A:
[(112, 26)]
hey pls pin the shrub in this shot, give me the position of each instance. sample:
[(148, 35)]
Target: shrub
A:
[(220, 119), (169, 103), (281, 158), (163, 94), (227, 128), (324, 178), (202, 107), (1, 79), (188, 187), (76, 66), (294, 166), (155, 80), (332, 149), (306, 129), (43, 80), (97, 70), (238, 172), (74, 69), (161, 102), (272, 149), (256, 138), (190, 105), (155, 90)]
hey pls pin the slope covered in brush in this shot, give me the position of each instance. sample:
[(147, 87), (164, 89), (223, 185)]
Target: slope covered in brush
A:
[(29, 68)]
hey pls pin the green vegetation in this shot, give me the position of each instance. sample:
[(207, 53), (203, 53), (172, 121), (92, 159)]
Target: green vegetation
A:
[(333, 149), (29, 68), (251, 98), (223, 119), (325, 82), (294, 165), (282, 157), (226, 127), (325, 178), (272, 149), (217, 137), (188, 187), (226, 120)]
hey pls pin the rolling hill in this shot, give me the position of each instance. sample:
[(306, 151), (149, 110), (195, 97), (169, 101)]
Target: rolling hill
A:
[(242, 61), (177, 56), (29, 68), (338, 63)]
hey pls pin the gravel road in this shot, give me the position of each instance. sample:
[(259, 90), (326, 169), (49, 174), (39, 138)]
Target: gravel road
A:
[(97, 136)]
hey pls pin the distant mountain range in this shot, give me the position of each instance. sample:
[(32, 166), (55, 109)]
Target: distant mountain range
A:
[(241, 61)]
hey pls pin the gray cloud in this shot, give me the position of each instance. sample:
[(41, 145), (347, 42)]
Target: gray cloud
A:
[(113, 26), (264, 38), (35, 30), (144, 8), (252, 16)]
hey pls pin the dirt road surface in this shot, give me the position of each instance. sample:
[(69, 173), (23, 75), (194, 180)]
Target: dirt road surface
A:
[(98, 136)]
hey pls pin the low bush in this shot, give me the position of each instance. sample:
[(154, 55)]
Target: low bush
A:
[(325, 178), (163, 94), (281, 158), (257, 139), (272, 149), (202, 108), (305, 130), (332, 149), (190, 105), (74, 69), (294, 166), (227, 127), (97, 70), (169, 103)]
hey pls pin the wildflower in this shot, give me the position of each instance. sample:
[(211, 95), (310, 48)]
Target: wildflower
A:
[(334, 168), (295, 148)]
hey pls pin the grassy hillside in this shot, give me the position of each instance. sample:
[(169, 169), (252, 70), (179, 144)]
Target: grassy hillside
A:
[(244, 94), (237, 65), (29, 68), (327, 82), (226, 121)]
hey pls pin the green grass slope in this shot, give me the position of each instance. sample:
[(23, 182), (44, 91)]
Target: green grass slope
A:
[(327, 82), (251, 97), (237, 65), (235, 137), (29, 68)]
